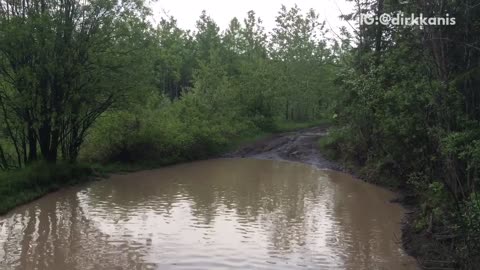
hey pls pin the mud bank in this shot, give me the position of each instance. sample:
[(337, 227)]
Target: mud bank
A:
[(298, 146)]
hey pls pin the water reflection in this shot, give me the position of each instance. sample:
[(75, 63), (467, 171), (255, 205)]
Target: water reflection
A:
[(220, 214)]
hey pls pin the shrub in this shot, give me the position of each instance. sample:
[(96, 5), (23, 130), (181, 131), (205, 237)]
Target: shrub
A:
[(23, 185)]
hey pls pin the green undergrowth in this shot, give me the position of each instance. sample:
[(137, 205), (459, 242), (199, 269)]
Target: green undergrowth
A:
[(191, 153), (335, 146), (24, 185), (441, 227)]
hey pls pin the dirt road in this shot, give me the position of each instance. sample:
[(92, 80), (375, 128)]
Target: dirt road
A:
[(300, 146)]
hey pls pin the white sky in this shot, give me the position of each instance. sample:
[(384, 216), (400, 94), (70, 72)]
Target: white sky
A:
[(222, 11)]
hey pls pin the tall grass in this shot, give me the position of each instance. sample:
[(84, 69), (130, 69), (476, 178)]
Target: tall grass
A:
[(24, 185)]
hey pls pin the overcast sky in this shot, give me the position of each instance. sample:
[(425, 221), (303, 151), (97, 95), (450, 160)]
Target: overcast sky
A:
[(222, 11)]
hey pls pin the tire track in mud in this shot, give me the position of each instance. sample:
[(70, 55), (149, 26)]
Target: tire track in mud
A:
[(299, 146)]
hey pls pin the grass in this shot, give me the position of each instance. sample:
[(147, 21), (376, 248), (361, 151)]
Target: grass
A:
[(24, 185)]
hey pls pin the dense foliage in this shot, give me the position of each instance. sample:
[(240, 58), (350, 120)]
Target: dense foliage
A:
[(96, 79), (211, 87), (408, 113)]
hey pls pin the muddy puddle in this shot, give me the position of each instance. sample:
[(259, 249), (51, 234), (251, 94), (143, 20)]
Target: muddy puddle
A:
[(217, 214)]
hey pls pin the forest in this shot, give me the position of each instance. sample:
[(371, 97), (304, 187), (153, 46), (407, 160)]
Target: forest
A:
[(96, 85)]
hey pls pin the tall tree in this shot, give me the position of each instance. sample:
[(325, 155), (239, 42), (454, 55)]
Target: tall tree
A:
[(63, 63)]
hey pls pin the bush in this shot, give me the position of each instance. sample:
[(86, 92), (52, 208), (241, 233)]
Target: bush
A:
[(164, 133), (23, 185)]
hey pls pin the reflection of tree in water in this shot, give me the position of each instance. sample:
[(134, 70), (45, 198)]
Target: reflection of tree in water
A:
[(366, 225), (285, 204), (264, 192), (249, 189), (258, 191), (58, 236)]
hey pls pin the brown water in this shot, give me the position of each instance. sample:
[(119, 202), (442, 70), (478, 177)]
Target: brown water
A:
[(218, 214)]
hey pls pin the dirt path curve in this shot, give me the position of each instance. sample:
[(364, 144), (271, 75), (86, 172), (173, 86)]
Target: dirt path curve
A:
[(299, 146)]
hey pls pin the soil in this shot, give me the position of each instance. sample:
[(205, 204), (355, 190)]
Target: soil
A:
[(298, 146)]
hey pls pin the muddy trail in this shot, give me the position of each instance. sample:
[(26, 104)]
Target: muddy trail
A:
[(302, 146), (298, 146)]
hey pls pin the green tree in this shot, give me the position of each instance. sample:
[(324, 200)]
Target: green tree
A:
[(62, 66)]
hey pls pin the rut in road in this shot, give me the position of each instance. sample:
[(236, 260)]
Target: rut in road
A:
[(299, 146)]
